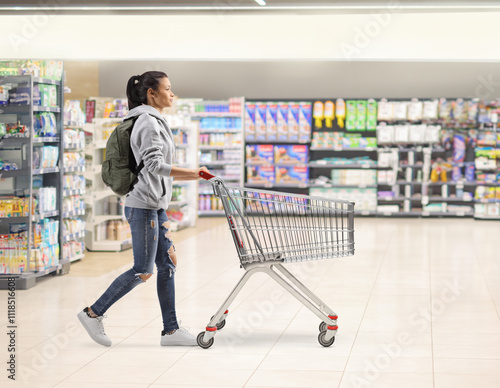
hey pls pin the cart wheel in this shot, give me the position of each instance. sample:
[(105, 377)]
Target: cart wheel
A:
[(322, 326), (221, 324), (203, 344), (322, 341)]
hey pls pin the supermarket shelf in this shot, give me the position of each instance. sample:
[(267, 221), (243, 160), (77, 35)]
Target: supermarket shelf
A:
[(397, 199), (67, 193), (21, 220), (411, 166), (15, 109), (73, 146), (365, 213), (472, 183), (416, 148), (196, 115), (276, 185), (47, 109), (74, 169), (219, 130), (328, 185), (213, 213), (408, 183), (100, 219), (13, 173), (12, 141), (74, 236), (265, 141), (205, 147), (50, 170), (277, 164), (221, 163), (486, 217), (74, 126), (39, 80), (73, 214), (110, 245), (75, 258), (487, 200), (46, 140), (448, 199), (400, 214), (447, 214), (41, 216), (48, 270), (367, 149), (342, 166)]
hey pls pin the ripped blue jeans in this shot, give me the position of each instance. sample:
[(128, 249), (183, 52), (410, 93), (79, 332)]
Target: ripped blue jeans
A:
[(150, 245)]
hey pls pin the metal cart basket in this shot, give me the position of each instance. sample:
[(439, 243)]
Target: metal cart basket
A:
[(271, 228)]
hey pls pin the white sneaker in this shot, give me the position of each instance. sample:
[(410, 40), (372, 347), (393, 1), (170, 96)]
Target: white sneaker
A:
[(181, 337), (94, 327)]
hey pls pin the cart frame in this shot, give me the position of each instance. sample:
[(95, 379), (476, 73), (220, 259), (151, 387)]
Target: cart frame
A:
[(260, 239)]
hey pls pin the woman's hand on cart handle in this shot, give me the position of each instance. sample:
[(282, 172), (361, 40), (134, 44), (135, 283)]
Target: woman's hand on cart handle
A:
[(205, 174)]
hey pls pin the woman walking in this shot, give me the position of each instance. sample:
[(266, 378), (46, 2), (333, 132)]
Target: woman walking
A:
[(152, 143)]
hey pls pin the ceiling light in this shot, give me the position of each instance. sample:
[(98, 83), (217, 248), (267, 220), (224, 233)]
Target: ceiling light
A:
[(260, 2)]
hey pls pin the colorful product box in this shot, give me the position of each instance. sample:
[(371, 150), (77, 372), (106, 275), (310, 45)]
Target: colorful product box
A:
[(351, 115), (260, 174), (293, 121), (282, 122), (292, 175), (291, 154), (250, 121), (272, 121), (361, 115), (260, 154), (261, 121), (305, 118)]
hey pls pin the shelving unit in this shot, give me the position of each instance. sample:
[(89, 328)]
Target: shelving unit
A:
[(101, 204), (74, 185), (220, 138), (487, 194), (182, 211), (277, 144), (28, 256)]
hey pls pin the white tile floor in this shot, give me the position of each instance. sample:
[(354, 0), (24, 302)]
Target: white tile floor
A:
[(418, 306)]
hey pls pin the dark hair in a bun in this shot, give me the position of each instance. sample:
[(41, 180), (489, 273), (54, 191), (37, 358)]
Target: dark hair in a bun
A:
[(138, 85)]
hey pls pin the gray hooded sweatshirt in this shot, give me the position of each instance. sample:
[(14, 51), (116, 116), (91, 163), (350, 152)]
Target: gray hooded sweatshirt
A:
[(152, 142)]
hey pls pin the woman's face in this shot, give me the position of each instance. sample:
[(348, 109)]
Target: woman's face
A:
[(163, 97)]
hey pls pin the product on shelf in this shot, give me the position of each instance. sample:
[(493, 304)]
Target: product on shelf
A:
[(318, 114), (250, 110), (38, 68), (365, 199), (329, 113), (261, 121), (260, 154), (305, 118), (282, 122), (291, 175), (260, 174), (45, 124), (354, 177), (47, 199), (293, 121), (291, 154), (340, 112), (272, 121)]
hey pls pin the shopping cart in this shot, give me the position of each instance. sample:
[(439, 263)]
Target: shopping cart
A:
[(271, 228)]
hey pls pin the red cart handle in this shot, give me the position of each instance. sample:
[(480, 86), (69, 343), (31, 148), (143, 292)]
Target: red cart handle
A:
[(206, 175)]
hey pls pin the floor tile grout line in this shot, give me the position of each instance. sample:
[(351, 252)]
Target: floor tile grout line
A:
[(478, 260), (366, 307), (430, 304)]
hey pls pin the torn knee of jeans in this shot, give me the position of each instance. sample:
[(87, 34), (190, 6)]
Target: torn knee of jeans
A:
[(152, 224), (144, 276)]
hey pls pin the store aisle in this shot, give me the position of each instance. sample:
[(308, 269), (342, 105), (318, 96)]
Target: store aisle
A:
[(418, 306)]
